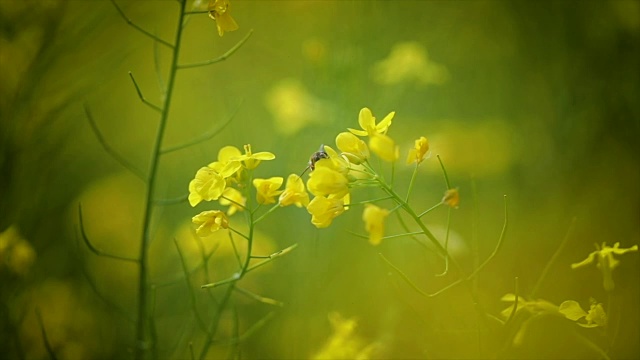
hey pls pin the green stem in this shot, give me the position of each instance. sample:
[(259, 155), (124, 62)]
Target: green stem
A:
[(413, 178), (552, 261), (142, 328), (273, 208)]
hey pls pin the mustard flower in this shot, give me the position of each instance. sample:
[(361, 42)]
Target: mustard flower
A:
[(227, 165), (368, 123), (251, 160), (352, 147), (294, 193), (324, 209), (451, 198), (419, 151), (324, 181), (374, 217), (210, 221), (603, 256), (267, 189), (573, 311), (219, 11), (384, 146), (233, 199), (335, 161), (208, 185)]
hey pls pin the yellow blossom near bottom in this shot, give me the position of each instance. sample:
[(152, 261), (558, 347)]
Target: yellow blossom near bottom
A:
[(344, 343), (210, 221)]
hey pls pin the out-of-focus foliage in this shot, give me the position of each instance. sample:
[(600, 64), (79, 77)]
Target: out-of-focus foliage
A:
[(537, 100)]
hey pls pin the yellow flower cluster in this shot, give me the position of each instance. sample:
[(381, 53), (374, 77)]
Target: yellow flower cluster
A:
[(224, 179), (337, 173), (334, 173)]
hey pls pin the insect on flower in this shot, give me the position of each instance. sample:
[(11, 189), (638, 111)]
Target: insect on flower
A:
[(315, 157)]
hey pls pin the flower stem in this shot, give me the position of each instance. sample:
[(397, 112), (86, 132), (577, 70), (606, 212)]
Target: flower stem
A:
[(143, 340)]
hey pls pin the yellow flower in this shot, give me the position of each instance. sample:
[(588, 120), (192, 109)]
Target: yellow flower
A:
[(208, 185), (451, 198), (419, 151), (219, 11), (384, 146), (234, 199), (325, 180), (368, 123), (324, 209), (267, 189), (374, 217), (227, 165), (251, 160), (294, 192), (409, 61), (605, 261), (352, 147), (16, 253), (210, 221), (335, 161)]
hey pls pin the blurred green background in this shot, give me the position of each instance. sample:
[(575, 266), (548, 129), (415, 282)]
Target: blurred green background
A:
[(535, 100)]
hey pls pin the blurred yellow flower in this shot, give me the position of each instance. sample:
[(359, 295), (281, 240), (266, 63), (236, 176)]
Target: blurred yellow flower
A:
[(219, 11), (324, 181), (374, 217), (408, 61), (573, 311), (368, 123), (234, 199), (352, 147), (267, 189), (251, 160), (294, 193), (293, 107), (603, 256), (344, 343), (210, 221), (208, 185), (384, 146), (419, 151), (16, 253), (451, 198), (324, 209)]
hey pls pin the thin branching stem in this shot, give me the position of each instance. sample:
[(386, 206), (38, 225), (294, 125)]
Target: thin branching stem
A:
[(94, 249), (430, 209), (142, 329), (235, 249), (111, 151), (220, 58), (172, 201), (192, 295), (515, 304), (552, 260), (45, 338), (411, 182), (462, 278), (204, 137), (142, 98), (259, 298), (141, 30), (446, 244), (444, 172)]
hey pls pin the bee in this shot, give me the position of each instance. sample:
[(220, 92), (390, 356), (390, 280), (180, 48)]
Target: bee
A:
[(315, 157)]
